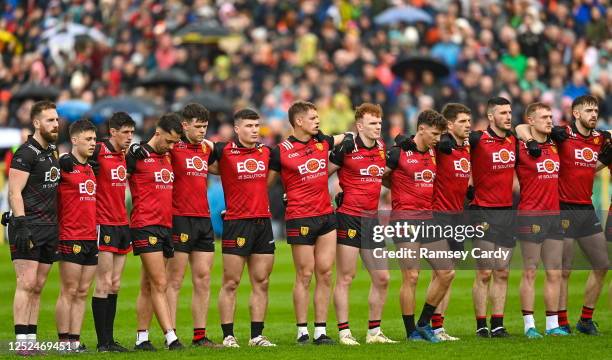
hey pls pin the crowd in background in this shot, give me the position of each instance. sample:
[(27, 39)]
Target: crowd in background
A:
[(330, 52)]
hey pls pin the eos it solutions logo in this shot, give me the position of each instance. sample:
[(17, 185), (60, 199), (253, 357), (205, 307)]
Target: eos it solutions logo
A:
[(88, 187), (372, 170), (250, 166), (164, 176), (462, 165), (547, 166), (312, 166), (585, 154), (424, 176), (119, 173), (503, 156), (52, 175), (196, 163)]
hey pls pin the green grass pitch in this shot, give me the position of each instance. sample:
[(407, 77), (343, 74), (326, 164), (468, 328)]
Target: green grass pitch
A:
[(280, 324)]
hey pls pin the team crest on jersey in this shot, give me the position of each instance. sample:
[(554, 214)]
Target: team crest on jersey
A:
[(351, 233), (107, 239), (565, 223), (382, 154), (554, 149), (152, 240), (76, 248), (535, 228), (596, 141), (485, 225), (240, 241), (319, 146), (184, 237), (204, 148), (304, 230)]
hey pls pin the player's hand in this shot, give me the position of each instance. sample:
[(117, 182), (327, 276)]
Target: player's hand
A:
[(558, 134), (348, 143), (320, 136), (470, 193), (446, 144), (6, 217), (66, 163), (223, 212), (23, 236), (285, 201), (339, 198), (138, 151), (406, 143), (605, 154), (534, 148), (95, 165)]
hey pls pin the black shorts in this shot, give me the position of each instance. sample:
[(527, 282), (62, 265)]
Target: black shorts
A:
[(357, 231), (44, 241), (497, 223), (305, 231), (411, 230), (82, 252), (454, 220), (191, 233), (150, 239), (538, 228), (579, 220), (114, 239), (248, 236)]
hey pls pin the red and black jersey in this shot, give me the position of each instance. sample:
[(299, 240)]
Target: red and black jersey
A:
[(40, 191), (112, 183), (303, 169), (151, 183), (493, 159), (360, 177), (244, 177), (412, 182), (452, 177), (539, 180), (578, 156), (77, 203), (190, 166)]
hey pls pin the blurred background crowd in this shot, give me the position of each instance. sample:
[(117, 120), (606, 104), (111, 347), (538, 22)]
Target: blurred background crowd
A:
[(149, 56)]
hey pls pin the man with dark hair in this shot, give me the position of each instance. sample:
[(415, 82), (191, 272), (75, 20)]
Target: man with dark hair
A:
[(538, 223), (493, 155), (32, 231), (151, 180), (582, 151), (247, 229), (77, 250), (360, 174), (192, 233), (301, 161), (108, 162), (410, 174)]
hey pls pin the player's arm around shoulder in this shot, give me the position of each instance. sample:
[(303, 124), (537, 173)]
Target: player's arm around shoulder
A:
[(605, 154)]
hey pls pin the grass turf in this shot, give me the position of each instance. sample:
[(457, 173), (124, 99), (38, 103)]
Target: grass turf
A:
[(280, 322)]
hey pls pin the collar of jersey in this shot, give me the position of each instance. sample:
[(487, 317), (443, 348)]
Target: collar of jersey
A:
[(294, 139), (109, 145), (74, 159), (239, 144), (36, 144), (360, 143), (575, 130), (493, 134)]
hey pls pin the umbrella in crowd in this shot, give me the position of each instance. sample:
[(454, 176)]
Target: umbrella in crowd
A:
[(202, 33), (73, 110), (419, 64), (168, 78), (405, 13), (138, 108), (212, 101), (35, 91)]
